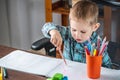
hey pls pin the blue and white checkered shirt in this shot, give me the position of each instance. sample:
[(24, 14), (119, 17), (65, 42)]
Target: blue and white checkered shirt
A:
[(72, 50)]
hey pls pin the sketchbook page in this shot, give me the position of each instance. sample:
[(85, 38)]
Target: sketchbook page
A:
[(74, 70), (28, 62), (77, 71)]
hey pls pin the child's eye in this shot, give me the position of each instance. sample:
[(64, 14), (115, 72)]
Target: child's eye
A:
[(83, 32), (73, 30)]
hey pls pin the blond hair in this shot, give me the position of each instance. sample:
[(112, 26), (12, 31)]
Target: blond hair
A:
[(74, 1), (85, 10)]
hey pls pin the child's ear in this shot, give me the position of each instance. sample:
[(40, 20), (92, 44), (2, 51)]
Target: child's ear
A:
[(96, 26)]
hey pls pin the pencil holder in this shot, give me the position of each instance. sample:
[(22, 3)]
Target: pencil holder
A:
[(93, 66)]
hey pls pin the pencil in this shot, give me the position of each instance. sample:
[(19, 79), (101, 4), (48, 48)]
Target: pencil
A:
[(1, 73), (62, 57), (104, 46), (103, 43), (98, 43), (86, 50)]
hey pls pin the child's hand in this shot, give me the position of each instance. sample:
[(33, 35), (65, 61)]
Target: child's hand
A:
[(56, 38)]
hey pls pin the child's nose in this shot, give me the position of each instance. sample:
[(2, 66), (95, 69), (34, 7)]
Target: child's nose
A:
[(78, 35)]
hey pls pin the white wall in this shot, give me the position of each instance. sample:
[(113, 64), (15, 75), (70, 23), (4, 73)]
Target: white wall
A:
[(26, 18), (4, 29)]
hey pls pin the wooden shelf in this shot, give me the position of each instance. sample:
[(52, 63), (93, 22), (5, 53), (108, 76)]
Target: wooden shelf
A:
[(61, 10), (58, 7)]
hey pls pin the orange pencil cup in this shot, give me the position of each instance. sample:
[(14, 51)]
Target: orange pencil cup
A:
[(93, 66)]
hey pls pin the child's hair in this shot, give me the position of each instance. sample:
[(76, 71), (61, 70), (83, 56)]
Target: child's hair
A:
[(85, 10)]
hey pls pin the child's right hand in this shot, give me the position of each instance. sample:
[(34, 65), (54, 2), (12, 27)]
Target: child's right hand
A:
[(56, 39)]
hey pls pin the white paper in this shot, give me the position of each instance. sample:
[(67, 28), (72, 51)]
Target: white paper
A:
[(46, 66), (27, 62)]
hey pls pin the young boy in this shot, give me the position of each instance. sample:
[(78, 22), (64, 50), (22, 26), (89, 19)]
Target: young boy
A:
[(83, 24)]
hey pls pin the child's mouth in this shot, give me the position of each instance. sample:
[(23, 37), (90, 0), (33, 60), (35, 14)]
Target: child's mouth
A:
[(78, 40)]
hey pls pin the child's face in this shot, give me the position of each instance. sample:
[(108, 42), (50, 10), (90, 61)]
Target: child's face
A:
[(81, 31)]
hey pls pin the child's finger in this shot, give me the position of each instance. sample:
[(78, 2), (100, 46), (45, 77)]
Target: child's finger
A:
[(57, 42), (53, 41), (60, 44), (57, 48)]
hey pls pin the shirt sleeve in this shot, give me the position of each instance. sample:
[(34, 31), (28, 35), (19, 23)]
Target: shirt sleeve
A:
[(50, 26), (46, 28)]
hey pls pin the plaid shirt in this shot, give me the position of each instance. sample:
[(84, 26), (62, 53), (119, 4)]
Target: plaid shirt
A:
[(72, 50)]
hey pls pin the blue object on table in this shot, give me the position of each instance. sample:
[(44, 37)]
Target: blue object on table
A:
[(65, 78)]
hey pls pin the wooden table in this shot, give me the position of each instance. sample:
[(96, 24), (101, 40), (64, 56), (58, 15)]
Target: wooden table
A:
[(16, 75)]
